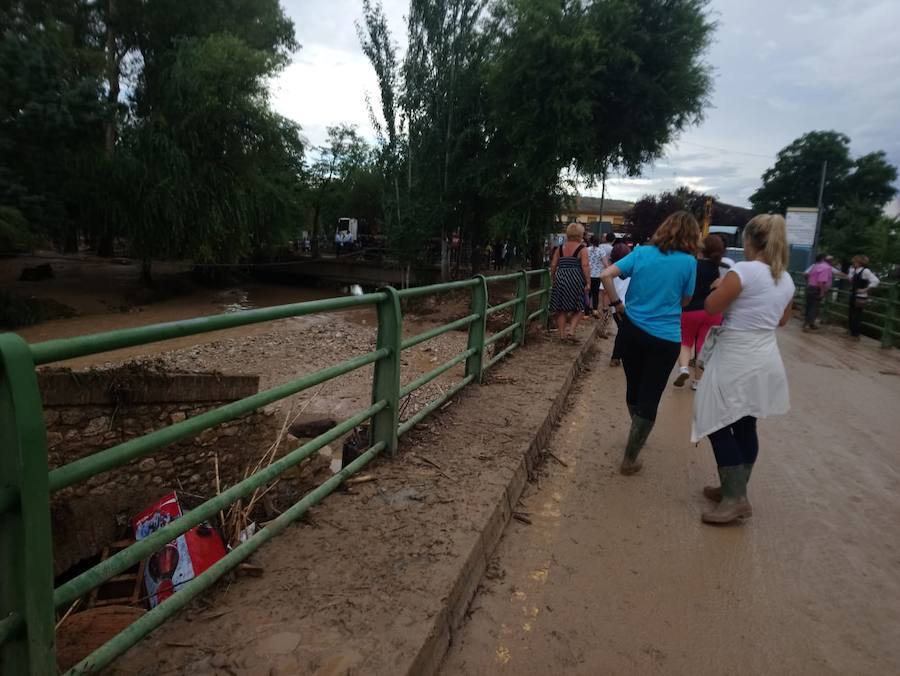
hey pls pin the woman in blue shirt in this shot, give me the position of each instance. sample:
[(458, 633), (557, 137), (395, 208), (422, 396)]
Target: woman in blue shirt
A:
[(663, 274)]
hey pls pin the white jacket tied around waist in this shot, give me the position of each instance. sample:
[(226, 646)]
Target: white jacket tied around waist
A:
[(743, 375)]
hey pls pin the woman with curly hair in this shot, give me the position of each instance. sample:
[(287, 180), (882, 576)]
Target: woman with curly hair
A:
[(663, 273)]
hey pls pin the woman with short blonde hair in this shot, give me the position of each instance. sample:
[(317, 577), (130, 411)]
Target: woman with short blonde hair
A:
[(662, 273), (571, 275), (744, 377)]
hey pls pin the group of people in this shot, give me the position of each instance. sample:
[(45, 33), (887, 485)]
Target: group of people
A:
[(683, 294), (819, 280), (576, 266)]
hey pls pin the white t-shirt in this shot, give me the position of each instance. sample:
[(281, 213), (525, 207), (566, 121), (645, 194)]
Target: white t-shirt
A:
[(606, 250), (595, 254), (761, 303), (621, 286)]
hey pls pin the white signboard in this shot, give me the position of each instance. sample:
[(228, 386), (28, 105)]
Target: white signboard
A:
[(801, 225)]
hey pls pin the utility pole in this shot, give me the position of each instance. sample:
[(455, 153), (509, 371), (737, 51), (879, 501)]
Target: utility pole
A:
[(819, 214), (602, 192)]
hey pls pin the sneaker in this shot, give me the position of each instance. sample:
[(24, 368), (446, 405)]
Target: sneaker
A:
[(682, 378), (694, 384)]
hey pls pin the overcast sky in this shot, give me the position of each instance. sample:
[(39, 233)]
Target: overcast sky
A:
[(782, 68)]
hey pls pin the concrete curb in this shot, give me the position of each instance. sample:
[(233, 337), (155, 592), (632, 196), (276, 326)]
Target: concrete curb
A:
[(474, 564)]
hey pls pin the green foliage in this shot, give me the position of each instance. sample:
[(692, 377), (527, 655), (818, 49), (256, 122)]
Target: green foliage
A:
[(50, 110), (191, 163), (651, 210), (15, 232), (855, 192), (496, 102), (341, 182)]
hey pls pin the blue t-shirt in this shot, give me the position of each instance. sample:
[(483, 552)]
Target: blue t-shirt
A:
[(658, 283)]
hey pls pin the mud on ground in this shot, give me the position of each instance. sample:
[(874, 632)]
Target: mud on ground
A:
[(355, 587), (616, 575)]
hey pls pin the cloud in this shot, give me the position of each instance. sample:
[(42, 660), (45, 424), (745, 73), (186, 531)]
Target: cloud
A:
[(781, 69)]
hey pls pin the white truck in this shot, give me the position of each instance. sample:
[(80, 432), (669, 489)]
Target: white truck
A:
[(347, 231)]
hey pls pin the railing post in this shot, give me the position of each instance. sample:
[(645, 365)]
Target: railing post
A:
[(26, 550), (545, 298), (887, 337), (521, 313), (386, 379), (477, 328), (826, 306)]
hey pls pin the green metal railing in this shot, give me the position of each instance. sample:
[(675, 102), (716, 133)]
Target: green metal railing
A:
[(28, 600), (880, 315)]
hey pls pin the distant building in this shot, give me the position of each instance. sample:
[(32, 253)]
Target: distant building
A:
[(586, 210)]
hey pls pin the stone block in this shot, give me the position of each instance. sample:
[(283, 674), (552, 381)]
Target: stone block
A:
[(97, 426), (147, 465)]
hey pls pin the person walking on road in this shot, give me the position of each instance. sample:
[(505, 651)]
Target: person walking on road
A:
[(663, 274), (744, 376), (596, 264), (861, 281), (819, 278), (695, 320), (571, 275)]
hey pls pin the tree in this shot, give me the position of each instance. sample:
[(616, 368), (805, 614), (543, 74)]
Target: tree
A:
[(50, 113), (651, 210), (333, 175), (498, 101), (149, 118), (855, 190)]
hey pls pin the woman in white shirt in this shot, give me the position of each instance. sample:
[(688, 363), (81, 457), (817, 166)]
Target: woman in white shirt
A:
[(861, 280), (596, 264), (744, 376)]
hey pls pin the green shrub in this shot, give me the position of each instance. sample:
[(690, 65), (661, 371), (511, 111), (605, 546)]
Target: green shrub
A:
[(16, 310)]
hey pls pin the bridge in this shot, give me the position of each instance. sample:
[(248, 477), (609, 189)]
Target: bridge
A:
[(494, 535)]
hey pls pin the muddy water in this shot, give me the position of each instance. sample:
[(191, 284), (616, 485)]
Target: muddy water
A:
[(200, 303)]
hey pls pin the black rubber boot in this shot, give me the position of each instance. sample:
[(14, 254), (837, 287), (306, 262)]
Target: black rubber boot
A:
[(734, 505), (637, 437), (714, 493)]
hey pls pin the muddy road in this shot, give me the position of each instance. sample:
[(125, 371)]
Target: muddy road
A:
[(617, 574)]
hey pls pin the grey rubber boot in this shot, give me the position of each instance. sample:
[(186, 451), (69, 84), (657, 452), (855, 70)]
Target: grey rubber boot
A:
[(637, 437), (734, 504), (714, 493)]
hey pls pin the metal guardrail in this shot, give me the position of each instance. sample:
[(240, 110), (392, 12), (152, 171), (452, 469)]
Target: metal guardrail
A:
[(880, 315), (28, 600)]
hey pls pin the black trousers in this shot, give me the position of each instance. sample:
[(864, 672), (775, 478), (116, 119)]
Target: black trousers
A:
[(813, 301), (617, 349), (648, 362), (854, 317), (736, 444), (595, 293)]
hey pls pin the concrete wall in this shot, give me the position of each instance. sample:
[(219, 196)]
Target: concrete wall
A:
[(88, 412)]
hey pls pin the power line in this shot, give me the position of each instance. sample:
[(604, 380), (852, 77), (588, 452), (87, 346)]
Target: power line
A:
[(726, 150)]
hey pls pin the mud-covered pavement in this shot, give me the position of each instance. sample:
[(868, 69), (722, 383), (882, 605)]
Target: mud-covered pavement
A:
[(617, 575)]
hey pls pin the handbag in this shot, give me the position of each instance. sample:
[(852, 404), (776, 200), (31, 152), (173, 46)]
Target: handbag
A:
[(708, 346)]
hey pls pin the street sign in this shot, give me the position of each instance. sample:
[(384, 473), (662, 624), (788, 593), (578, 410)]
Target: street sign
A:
[(801, 225)]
